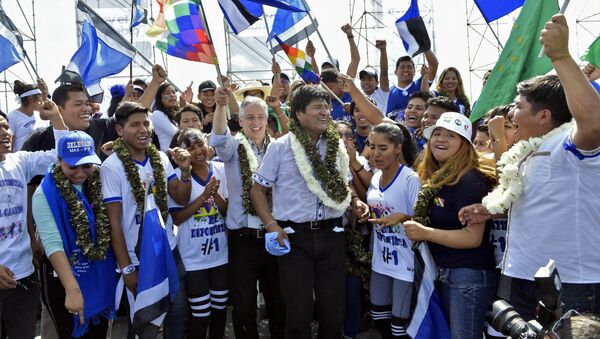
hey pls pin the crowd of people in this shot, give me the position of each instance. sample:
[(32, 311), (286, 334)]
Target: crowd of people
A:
[(313, 195)]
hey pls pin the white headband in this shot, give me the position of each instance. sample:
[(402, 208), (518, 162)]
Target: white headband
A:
[(30, 93)]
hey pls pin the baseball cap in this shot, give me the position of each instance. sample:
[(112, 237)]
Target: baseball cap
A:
[(273, 247), (332, 62), (368, 73), (207, 86), (454, 122), (282, 76), (77, 148), (139, 89), (117, 91)]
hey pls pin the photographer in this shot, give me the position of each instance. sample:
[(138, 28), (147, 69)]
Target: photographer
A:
[(552, 185)]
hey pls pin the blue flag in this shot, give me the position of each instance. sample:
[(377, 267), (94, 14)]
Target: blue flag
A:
[(11, 43), (283, 4), (494, 9), (102, 52), (412, 31), (139, 14), (288, 27), (240, 14), (158, 281), (428, 320)]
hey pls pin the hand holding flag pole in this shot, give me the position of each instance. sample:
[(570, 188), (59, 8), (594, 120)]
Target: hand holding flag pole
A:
[(563, 9)]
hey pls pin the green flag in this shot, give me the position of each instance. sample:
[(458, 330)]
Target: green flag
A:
[(592, 55), (519, 58)]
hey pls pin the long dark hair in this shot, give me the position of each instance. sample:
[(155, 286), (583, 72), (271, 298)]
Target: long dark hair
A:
[(158, 104), (397, 134)]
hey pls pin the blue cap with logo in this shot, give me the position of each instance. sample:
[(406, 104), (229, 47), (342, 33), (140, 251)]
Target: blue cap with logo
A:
[(77, 148), (272, 245)]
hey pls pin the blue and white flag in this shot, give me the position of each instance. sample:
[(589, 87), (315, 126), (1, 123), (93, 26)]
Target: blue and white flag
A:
[(282, 4), (428, 320), (11, 43), (102, 52), (240, 14), (493, 9), (157, 275), (291, 26), (140, 14), (412, 31)]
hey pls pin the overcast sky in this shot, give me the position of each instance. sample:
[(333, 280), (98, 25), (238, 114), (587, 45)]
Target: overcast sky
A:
[(57, 37)]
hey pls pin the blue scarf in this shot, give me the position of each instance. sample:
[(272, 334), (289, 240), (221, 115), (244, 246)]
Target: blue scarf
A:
[(97, 279)]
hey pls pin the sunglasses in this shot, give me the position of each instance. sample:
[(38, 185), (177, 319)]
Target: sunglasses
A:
[(347, 135), (86, 166)]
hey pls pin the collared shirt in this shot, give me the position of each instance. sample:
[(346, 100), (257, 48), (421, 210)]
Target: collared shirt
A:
[(227, 150), (557, 216), (292, 200)]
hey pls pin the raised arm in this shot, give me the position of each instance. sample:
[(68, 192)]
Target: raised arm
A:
[(310, 51), (276, 83), (583, 100), (370, 111), (384, 80), (158, 77), (432, 63), (232, 104), (354, 55), (220, 117)]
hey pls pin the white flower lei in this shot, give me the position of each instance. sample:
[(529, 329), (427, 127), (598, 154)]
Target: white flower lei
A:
[(252, 160), (313, 184), (510, 187)]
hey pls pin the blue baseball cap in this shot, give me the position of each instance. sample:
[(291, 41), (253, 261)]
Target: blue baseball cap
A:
[(273, 247), (77, 148), (117, 91)]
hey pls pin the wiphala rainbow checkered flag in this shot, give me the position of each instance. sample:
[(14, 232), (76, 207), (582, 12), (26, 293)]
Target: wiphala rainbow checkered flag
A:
[(301, 61), (180, 32)]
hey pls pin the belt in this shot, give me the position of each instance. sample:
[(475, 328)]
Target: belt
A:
[(328, 224), (250, 232)]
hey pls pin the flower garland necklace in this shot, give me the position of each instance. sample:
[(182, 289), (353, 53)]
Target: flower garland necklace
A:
[(133, 176), (248, 165), (332, 171), (78, 216), (510, 186)]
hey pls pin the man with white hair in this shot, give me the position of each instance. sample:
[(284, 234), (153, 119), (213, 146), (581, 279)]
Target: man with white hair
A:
[(248, 260)]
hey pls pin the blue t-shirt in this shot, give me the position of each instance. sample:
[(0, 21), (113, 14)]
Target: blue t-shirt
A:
[(461, 105), (398, 100), (360, 142), (419, 142), (443, 214), (337, 110)]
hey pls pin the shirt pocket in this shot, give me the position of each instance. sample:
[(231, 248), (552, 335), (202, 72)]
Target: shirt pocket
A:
[(537, 168)]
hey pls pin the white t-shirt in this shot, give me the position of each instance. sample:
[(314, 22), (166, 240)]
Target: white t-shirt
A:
[(201, 239), (381, 99), (116, 188), (15, 172), (557, 216), (164, 129), (392, 250), (22, 126)]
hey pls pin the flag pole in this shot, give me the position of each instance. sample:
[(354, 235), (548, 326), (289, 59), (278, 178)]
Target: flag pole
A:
[(87, 7), (563, 9), (332, 94), (131, 39), (268, 33), (313, 21), (209, 36)]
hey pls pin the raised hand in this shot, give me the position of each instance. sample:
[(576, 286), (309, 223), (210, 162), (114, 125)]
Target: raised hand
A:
[(273, 102), (158, 73), (275, 68), (43, 88), (221, 97), (181, 157), (380, 44), (348, 30), (310, 49), (555, 38)]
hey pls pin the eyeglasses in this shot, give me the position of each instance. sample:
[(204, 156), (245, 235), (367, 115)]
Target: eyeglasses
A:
[(347, 135), (552, 332)]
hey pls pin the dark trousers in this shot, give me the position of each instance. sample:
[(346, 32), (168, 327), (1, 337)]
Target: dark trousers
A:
[(53, 296), (19, 308), (316, 262), (523, 295), (250, 263)]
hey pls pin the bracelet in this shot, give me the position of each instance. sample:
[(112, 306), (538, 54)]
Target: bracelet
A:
[(271, 223), (128, 269), (560, 58), (358, 170), (350, 37)]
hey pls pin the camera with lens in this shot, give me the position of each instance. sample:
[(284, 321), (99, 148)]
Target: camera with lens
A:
[(505, 319)]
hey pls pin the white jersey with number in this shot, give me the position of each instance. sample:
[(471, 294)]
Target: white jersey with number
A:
[(201, 239), (392, 253), (116, 188)]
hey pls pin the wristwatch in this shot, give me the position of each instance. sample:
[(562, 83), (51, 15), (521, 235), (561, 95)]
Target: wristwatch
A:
[(128, 269)]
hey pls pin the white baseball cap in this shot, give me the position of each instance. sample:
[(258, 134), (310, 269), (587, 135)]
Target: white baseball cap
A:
[(454, 122)]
